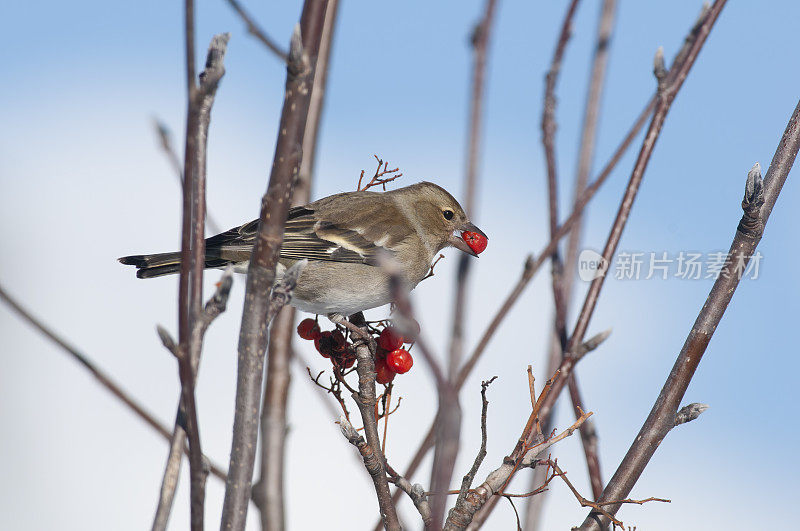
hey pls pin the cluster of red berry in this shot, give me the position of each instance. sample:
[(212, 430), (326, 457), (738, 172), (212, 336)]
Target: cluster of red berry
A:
[(390, 358)]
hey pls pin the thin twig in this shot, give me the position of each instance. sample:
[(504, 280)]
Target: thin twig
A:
[(598, 506), (558, 274), (591, 117), (417, 494), (254, 332), (433, 265), (380, 177), (481, 34), (388, 398), (758, 202), (101, 376), (165, 141), (256, 31), (450, 417), (470, 476), (532, 265), (190, 290), (462, 513)]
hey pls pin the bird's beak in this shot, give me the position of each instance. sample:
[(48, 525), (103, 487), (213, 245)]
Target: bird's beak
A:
[(458, 242)]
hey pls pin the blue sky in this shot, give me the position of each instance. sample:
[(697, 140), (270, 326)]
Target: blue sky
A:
[(84, 182)]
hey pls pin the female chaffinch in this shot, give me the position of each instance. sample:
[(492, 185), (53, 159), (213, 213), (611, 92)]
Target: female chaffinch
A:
[(343, 237)]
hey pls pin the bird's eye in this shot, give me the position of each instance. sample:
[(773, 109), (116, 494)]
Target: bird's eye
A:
[(448, 214)]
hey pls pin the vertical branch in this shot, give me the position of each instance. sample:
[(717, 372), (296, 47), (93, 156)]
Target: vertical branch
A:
[(448, 416), (446, 435), (480, 45), (563, 275), (302, 188), (532, 265), (185, 294), (549, 124), (560, 292), (253, 336), (530, 268), (759, 200), (268, 491), (366, 399), (590, 120), (591, 117), (669, 85), (191, 323)]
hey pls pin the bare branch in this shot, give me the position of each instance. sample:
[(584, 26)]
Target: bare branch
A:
[(165, 141), (417, 494), (449, 412), (101, 376), (559, 293), (446, 430), (190, 290), (461, 515), (256, 31), (254, 332), (382, 176), (167, 340), (268, 491), (481, 34), (467, 481), (665, 98), (597, 506), (758, 203), (217, 303), (366, 400)]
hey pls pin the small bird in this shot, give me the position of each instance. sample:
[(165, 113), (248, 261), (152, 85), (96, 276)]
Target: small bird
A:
[(344, 236)]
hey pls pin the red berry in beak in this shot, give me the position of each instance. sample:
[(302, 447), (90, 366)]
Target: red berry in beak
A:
[(477, 242)]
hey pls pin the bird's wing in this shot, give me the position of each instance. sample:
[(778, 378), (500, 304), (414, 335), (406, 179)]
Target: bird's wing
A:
[(309, 236)]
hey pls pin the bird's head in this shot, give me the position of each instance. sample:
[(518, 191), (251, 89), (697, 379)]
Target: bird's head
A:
[(442, 217)]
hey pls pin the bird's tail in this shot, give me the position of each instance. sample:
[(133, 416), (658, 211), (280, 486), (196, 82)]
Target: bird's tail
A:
[(157, 265)]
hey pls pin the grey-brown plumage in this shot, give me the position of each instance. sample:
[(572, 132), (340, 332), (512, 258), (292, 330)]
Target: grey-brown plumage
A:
[(343, 237)]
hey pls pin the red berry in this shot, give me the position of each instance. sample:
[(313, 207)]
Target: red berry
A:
[(400, 361), (345, 358), (390, 338), (308, 329), (324, 344), (338, 340), (383, 373), (477, 242)]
